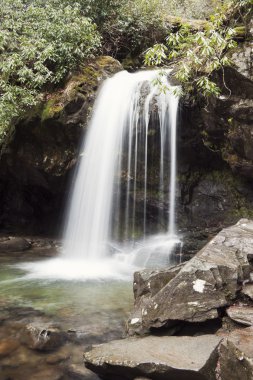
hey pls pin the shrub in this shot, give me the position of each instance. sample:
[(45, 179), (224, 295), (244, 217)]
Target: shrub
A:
[(198, 55), (39, 44)]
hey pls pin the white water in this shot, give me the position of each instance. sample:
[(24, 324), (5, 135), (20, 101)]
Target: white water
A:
[(117, 140), (109, 200)]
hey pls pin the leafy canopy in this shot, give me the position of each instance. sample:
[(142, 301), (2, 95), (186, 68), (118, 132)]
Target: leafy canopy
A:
[(39, 44), (198, 54)]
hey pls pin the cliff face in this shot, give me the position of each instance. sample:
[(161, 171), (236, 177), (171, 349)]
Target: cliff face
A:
[(215, 156), (38, 164), (216, 153)]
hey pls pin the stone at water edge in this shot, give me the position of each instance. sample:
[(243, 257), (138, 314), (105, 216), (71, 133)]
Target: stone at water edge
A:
[(149, 282), (14, 244), (206, 283), (236, 356), (153, 357)]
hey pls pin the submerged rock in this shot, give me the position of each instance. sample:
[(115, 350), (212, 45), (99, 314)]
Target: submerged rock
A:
[(43, 337), (158, 358), (51, 373), (199, 289), (79, 372), (7, 346)]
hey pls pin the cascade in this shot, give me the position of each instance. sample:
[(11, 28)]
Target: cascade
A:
[(109, 204)]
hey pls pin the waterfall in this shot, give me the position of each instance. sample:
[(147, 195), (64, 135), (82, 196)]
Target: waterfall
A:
[(121, 214), (109, 203)]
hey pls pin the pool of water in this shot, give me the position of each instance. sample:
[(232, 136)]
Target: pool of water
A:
[(89, 312)]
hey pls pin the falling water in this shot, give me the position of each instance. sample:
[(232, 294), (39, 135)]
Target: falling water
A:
[(110, 195), (126, 173)]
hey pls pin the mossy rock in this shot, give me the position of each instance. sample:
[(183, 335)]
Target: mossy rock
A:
[(79, 89)]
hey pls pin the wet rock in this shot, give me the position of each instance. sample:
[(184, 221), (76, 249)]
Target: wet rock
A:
[(247, 290), (14, 244), (57, 358), (149, 282), (51, 373), (7, 346), (79, 372), (241, 314), (43, 337), (206, 283), (236, 356), (153, 357)]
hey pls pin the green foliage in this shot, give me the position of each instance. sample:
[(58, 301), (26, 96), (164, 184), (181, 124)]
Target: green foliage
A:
[(133, 27), (199, 54), (39, 44)]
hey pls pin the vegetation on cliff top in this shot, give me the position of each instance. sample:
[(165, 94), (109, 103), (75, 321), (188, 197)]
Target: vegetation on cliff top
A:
[(39, 45), (42, 41), (197, 55)]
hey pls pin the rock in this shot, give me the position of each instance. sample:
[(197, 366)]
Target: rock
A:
[(7, 346), (42, 337), (79, 372), (227, 121), (51, 373), (202, 286), (57, 358), (247, 290), (153, 357), (241, 314), (14, 244), (242, 58), (149, 282), (236, 356)]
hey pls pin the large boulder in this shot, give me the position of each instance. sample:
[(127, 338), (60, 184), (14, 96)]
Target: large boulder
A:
[(236, 356), (197, 291), (154, 357)]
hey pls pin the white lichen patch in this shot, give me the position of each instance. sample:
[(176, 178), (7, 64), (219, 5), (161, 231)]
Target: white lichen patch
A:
[(134, 321), (195, 303), (199, 285), (156, 306)]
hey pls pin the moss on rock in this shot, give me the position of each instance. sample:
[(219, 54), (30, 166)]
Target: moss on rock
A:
[(79, 90)]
